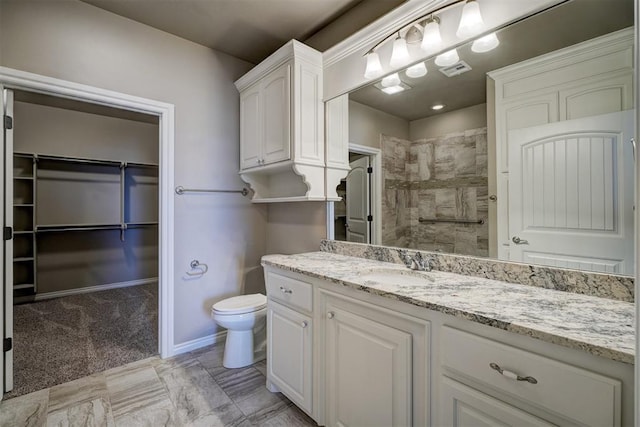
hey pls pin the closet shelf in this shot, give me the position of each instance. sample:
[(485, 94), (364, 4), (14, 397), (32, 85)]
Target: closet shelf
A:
[(23, 205), (24, 286), (83, 160), (23, 177), (23, 259), (23, 232)]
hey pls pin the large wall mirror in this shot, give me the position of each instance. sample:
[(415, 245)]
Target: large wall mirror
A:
[(521, 153)]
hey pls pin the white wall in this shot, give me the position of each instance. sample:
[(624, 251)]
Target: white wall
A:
[(74, 41), (441, 124), (366, 124), (296, 227)]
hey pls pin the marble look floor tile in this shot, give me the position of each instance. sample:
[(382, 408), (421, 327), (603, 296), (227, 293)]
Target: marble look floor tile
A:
[(91, 413), (165, 365), (225, 415), (134, 387), (211, 357), (193, 390), (239, 383), (262, 400), (261, 366), (75, 392), (162, 414), (29, 410), (291, 417)]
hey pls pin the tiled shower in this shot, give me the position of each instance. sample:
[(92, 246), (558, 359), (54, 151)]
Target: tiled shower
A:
[(442, 178)]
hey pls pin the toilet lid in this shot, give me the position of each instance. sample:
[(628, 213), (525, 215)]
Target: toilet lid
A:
[(241, 304)]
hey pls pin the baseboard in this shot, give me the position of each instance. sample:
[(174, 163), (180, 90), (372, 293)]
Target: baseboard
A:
[(87, 289), (188, 346)]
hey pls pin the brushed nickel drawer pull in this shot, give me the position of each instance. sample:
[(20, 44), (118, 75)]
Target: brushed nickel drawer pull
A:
[(512, 375), (285, 290)]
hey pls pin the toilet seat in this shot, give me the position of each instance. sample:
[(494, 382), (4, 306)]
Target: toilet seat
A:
[(241, 304)]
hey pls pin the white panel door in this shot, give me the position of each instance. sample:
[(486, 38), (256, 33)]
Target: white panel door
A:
[(358, 201), (6, 306), (462, 406), (289, 353), (571, 187), (276, 113), (250, 127), (368, 372)]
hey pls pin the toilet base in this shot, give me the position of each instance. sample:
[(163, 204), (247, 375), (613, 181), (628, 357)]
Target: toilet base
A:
[(238, 349)]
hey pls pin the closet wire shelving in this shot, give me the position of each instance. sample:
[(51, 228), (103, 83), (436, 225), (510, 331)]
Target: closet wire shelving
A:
[(26, 236)]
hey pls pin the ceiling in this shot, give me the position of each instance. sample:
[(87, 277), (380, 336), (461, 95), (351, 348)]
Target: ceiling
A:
[(562, 26), (253, 29)]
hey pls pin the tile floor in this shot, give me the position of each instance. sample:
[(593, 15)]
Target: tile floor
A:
[(192, 389)]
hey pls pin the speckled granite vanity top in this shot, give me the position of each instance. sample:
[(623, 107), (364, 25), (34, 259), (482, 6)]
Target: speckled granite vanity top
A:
[(599, 326)]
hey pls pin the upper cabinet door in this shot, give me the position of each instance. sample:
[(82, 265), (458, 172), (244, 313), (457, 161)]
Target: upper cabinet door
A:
[(250, 127), (276, 107)]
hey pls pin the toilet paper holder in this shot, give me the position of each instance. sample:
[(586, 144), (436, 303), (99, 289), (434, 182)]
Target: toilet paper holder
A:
[(200, 267)]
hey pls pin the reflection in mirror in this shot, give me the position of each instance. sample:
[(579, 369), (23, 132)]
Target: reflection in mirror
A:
[(520, 153)]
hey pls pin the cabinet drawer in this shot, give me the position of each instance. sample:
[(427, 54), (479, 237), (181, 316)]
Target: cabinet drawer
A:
[(583, 396), (295, 293)]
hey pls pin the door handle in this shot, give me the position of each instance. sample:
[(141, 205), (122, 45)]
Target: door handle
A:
[(633, 146), (519, 241)]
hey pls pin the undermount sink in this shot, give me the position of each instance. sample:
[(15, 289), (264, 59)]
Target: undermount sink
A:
[(395, 276)]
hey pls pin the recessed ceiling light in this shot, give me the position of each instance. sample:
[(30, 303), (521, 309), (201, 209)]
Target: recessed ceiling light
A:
[(437, 107), (392, 89)]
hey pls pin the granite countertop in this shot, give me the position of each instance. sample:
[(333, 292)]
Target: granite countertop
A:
[(599, 326)]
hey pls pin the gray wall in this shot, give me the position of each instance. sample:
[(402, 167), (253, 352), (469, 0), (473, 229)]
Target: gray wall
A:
[(366, 124), (454, 121), (296, 227), (74, 41), (89, 194)]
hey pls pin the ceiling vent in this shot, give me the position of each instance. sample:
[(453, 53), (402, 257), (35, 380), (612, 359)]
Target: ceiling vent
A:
[(456, 69)]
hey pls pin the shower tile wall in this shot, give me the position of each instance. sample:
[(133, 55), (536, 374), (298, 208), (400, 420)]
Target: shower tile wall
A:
[(441, 178)]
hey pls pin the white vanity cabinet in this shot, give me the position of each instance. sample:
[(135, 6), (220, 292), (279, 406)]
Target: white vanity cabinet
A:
[(265, 132), (369, 370), (282, 147), (290, 338), (564, 394)]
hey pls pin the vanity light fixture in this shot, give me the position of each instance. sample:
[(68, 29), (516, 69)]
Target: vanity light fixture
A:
[(448, 58), (485, 44), (391, 80), (471, 22), (374, 68), (415, 71), (426, 31), (400, 53), (431, 38)]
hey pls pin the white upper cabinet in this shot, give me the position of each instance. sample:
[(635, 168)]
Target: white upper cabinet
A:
[(282, 146)]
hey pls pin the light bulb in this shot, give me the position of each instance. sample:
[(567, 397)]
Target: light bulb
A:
[(416, 71), (447, 58), (431, 39), (485, 44), (400, 54), (374, 68), (391, 80), (471, 22)]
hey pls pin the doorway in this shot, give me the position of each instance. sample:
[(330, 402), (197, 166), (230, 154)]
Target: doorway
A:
[(164, 116), (356, 218)]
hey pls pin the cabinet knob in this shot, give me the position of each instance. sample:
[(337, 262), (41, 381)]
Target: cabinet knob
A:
[(330, 315), (285, 290), (304, 324)]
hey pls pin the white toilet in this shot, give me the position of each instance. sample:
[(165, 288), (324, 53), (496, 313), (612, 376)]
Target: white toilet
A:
[(243, 316)]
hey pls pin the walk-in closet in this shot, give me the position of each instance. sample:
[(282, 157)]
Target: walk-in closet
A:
[(82, 195)]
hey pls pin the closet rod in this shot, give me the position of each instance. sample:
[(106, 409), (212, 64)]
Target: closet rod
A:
[(78, 227), (181, 190), (85, 160)]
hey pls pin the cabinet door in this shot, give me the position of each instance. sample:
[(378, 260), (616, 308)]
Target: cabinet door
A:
[(368, 371), (289, 353), (463, 406), (250, 127), (276, 113)]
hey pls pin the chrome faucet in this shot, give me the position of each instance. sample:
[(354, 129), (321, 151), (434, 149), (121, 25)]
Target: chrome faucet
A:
[(418, 262)]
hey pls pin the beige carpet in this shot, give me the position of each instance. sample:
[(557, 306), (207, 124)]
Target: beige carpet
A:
[(66, 338)]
